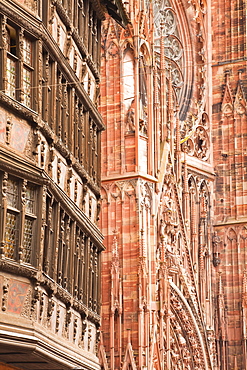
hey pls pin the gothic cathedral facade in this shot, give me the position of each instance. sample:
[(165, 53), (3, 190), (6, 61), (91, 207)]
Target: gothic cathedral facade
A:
[(174, 190)]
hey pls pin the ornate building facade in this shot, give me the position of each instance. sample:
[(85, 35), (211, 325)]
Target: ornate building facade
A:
[(173, 98), (50, 129)]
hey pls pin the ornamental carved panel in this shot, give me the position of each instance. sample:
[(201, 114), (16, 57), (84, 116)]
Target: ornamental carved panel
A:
[(195, 137)]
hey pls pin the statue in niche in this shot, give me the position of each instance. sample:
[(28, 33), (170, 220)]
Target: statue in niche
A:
[(130, 124), (201, 143), (143, 125), (216, 253)]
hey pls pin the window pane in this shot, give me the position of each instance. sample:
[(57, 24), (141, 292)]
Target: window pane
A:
[(27, 87), (27, 51), (30, 199), (11, 39), (12, 193), (27, 240), (11, 78), (10, 235)]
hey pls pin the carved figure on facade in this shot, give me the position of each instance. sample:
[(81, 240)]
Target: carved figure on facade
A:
[(115, 276), (201, 143), (143, 122), (216, 249), (5, 295), (130, 121)]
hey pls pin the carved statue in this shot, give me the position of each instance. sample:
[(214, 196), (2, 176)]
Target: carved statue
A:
[(130, 125)]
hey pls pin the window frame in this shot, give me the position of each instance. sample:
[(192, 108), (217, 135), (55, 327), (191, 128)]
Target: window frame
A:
[(21, 213), (15, 86)]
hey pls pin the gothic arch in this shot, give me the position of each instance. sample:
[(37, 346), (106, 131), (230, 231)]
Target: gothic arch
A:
[(128, 80), (179, 56), (112, 49), (115, 190), (191, 339), (145, 50), (103, 193), (129, 189), (232, 234)]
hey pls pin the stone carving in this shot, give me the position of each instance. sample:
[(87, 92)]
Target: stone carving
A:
[(75, 329), (166, 32), (58, 170), (216, 249), (130, 123), (57, 319), (83, 328), (5, 295), (186, 332), (41, 305), (201, 143), (195, 139), (143, 123), (89, 338), (28, 310), (8, 131), (42, 154), (50, 309), (68, 319), (173, 48), (35, 297), (168, 20)]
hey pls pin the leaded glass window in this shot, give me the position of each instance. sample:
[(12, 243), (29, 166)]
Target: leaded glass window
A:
[(27, 71), (20, 224), (27, 87), (30, 199), (10, 77), (27, 51), (27, 240), (29, 223), (10, 235), (12, 193)]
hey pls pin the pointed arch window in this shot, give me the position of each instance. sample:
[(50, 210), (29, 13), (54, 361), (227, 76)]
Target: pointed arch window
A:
[(166, 31), (128, 78)]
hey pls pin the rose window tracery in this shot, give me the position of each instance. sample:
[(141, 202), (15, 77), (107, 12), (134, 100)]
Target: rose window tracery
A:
[(166, 30)]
